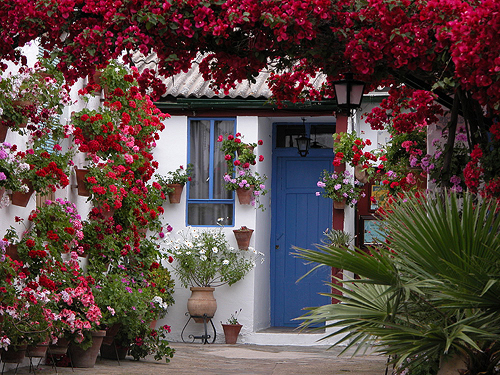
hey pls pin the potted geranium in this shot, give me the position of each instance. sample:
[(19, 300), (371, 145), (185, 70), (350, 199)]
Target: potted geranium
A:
[(240, 156), (348, 148), (340, 187), (48, 170), (203, 260), (32, 98), (175, 181)]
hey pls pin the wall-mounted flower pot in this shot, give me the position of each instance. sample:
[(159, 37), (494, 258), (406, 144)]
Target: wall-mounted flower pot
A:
[(80, 181), (361, 174), (245, 195), (11, 251), (3, 132), (175, 195), (19, 198), (339, 205), (231, 332), (243, 237)]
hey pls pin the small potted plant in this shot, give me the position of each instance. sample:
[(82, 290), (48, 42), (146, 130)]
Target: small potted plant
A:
[(232, 328), (340, 187), (349, 149), (249, 185), (175, 181), (243, 236)]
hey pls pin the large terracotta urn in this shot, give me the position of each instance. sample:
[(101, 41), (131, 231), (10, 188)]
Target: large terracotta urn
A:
[(202, 303)]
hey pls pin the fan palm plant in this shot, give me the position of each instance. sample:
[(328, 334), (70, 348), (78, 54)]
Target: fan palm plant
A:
[(430, 291)]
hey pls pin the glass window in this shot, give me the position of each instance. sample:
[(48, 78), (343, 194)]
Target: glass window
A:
[(208, 200)]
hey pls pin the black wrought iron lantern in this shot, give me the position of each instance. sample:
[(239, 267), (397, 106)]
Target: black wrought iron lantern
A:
[(349, 92), (303, 143)]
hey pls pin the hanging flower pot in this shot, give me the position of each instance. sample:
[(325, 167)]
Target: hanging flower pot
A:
[(243, 236), (231, 332), (15, 354), (3, 132), (202, 303), (86, 358), (245, 195), (80, 180), (361, 174), (339, 205), (11, 251), (19, 198), (175, 195)]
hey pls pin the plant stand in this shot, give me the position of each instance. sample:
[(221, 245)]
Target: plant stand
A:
[(204, 338)]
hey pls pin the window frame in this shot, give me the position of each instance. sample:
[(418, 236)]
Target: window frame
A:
[(210, 199)]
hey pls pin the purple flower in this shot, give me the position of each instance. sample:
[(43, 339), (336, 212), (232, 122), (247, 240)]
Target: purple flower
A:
[(321, 184), (169, 228), (318, 193), (345, 180), (2, 176), (337, 187)]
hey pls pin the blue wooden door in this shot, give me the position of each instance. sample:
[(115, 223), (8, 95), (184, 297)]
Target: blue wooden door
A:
[(299, 219)]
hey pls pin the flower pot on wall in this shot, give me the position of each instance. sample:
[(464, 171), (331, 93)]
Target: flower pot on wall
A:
[(19, 198), (175, 195), (361, 174), (80, 181), (245, 195), (231, 332), (339, 205), (202, 303), (3, 132), (11, 251), (87, 358), (243, 237)]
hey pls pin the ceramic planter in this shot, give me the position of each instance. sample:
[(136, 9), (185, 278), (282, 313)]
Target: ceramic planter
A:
[(175, 195), (245, 195), (243, 237), (339, 205), (202, 303), (15, 354), (231, 332), (87, 358)]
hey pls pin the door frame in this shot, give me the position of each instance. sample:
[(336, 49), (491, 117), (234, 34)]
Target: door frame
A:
[(279, 153)]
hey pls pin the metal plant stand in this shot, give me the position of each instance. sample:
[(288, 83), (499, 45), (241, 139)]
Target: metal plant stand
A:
[(205, 337)]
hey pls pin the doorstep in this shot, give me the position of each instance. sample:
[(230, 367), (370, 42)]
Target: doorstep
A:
[(289, 336)]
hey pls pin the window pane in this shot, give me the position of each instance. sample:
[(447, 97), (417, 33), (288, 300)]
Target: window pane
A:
[(220, 166), (209, 213), (200, 158)]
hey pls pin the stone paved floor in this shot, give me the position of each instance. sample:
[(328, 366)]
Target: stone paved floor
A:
[(240, 359)]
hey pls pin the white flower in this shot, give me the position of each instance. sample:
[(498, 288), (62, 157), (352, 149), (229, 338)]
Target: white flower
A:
[(202, 251), (188, 252), (158, 300), (188, 244), (203, 257), (225, 262), (231, 248), (215, 250)]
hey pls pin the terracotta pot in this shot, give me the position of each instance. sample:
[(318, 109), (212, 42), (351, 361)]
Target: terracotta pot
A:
[(111, 352), (38, 350), (80, 181), (21, 199), (245, 195), (14, 354), (175, 196), (452, 365), (87, 358), (3, 132), (248, 147), (360, 174), (243, 238), (231, 332), (59, 348), (202, 302), (11, 251), (339, 205), (152, 324), (111, 332)]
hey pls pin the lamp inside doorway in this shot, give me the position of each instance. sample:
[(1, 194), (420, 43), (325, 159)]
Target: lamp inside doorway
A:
[(303, 141)]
